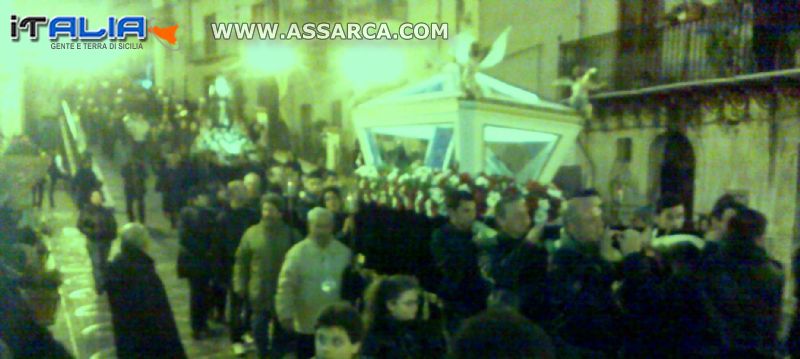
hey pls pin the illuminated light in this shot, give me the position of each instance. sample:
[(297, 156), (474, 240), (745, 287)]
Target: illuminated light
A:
[(270, 58), (221, 87), (147, 84), (367, 64)]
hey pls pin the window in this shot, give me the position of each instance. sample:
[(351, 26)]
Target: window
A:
[(383, 8), (210, 44), (276, 10), (624, 149), (258, 12), (336, 113), (391, 9), (400, 146)]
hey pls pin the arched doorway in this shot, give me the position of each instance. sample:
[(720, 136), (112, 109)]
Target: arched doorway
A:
[(672, 169)]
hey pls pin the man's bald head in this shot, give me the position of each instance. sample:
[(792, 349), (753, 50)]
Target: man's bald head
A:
[(320, 225)]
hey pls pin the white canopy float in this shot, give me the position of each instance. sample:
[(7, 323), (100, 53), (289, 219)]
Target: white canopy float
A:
[(504, 131)]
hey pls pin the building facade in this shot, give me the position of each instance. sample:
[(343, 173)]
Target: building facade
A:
[(682, 95), (316, 92), (688, 108)]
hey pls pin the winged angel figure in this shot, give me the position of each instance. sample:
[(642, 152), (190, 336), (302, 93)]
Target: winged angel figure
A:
[(473, 57), (580, 84)]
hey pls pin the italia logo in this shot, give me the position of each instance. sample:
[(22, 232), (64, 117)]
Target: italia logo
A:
[(78, 28)]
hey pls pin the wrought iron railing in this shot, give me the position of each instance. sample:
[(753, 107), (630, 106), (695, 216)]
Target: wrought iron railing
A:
[(709, 48)]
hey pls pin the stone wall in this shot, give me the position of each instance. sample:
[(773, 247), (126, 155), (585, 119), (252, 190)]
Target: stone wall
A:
[(531, 60), (730, 156)]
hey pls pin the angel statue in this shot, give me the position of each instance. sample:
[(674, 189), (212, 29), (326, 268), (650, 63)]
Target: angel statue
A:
[(580, 84), (473, 57)]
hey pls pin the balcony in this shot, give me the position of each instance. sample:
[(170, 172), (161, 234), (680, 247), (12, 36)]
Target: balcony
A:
[(714, 47), (213, 51)]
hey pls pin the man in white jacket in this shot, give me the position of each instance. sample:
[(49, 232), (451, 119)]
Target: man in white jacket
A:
[(137, 127), (311, 280)]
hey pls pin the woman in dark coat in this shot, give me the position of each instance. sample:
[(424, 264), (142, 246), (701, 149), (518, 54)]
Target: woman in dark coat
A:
[(396, 325), (84, 182), (196, 231), (169, 184), (144, 326), (97, 223)]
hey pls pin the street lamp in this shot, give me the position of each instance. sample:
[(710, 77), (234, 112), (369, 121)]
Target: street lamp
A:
[(222, 88), (271, 57), (372, 64)]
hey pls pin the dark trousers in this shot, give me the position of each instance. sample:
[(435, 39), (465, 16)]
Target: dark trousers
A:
[(38, 193), (261, 322), (284, 342), (98, 254), (199, 299), (218, 301), (135, 200), (238, 317), (52, 190), (305, 346)]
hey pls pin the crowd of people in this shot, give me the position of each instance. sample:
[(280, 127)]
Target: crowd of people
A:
[(590, 293), (275, 254)]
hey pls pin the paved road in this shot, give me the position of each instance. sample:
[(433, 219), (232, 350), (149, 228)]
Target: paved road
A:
[(84, 320)]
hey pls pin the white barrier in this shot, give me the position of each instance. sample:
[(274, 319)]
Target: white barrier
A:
[(71, 125)]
